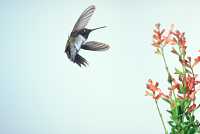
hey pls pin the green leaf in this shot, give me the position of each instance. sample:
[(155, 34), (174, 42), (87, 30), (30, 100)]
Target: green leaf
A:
[(169, 79), (177, 71), (197, 124), (186, 103), (188, 71), (158, 51), (187, 116), (192, 131), (169, 111), (192, 118), (180, 110), (171, 123), (167, 100), (183, 89)]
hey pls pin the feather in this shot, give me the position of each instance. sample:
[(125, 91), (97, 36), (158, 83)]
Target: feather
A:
[(95, 46), (84, 18), (80, 60)]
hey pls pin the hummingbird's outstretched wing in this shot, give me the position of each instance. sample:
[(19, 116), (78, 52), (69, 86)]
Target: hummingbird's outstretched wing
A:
[(84, 18), (80, 60), (95, 46)]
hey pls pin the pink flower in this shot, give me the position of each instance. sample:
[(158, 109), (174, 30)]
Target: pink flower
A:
[(154, 91), (175, 85), (190, 82), (161, 37), (196, 61), (180, 37), (192, 108)]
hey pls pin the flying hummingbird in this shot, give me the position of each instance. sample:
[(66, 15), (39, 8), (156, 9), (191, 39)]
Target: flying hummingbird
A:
[(78, 37)]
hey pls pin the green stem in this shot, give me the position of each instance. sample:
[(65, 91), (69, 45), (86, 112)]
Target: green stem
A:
[(182, 58), (167, 69), (164, 59), (161, 116)]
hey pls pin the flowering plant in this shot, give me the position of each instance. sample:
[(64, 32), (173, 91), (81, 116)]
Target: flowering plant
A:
[(183, 83)]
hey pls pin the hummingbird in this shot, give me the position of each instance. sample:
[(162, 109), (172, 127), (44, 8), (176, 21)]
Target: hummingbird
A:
[(78, 37)]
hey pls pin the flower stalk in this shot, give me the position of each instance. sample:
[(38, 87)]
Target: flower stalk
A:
[(161, 117), (181, 96), (170, 79)]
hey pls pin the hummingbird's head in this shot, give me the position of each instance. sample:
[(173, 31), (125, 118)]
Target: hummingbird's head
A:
[(85, 32)]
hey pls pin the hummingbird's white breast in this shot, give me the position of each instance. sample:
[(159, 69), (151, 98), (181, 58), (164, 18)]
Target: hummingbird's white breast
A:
[(75, 46), (79, 40)]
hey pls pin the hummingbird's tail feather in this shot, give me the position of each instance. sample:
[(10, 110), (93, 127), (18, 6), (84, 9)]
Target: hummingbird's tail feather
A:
[(95, 46), (79, 60)]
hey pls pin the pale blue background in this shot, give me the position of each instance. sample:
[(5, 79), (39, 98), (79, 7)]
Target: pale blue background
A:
[(42, 92)]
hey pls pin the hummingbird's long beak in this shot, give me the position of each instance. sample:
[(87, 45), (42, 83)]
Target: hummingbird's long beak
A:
[(98, 28)]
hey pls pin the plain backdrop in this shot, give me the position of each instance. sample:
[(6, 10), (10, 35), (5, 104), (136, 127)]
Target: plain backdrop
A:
[(42, 92)]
